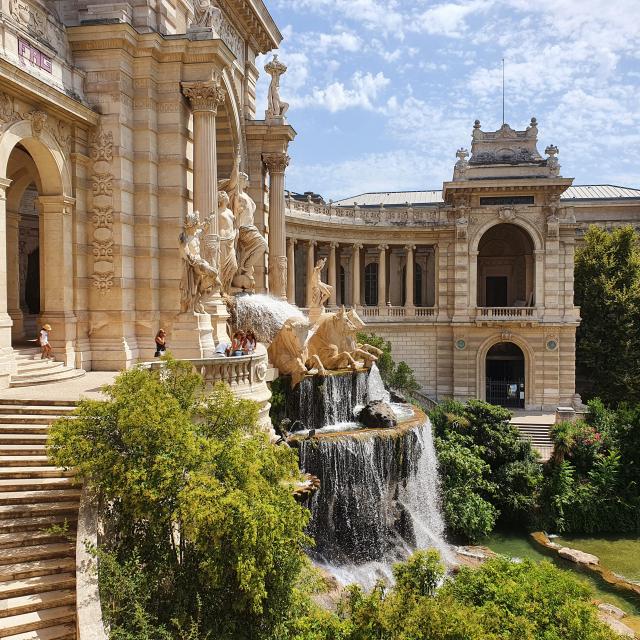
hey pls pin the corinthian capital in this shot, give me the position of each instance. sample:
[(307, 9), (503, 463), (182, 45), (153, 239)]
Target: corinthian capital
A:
[(205, 95), (276, 162)]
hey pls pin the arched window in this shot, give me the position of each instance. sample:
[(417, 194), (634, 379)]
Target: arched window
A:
[(417, 285), (343, 285), (371, 284)]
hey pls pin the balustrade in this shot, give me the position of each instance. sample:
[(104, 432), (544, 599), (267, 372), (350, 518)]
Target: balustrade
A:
[(505, 313)]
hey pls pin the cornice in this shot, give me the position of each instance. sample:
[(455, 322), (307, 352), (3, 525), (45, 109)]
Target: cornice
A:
[(255, 21)]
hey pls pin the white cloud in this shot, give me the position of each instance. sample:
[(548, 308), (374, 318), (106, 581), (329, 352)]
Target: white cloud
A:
[(449, 19), (363, 92), (344, 40)]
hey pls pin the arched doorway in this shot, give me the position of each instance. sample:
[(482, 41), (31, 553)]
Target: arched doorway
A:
[(505, 375), (505, 268)]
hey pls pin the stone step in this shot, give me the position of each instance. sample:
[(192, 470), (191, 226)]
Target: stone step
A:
[(26, 408), (42, 471), (26, 419), (37, 523), (43, 496), (36, 484), (27, 366), (24, 461), (25, 538), (37, 602), (63, 376), (22, 449), (59, 632), (24, 429), (38, 402), (11, 511), (37, 584), (46, 567), (27, 555), (13, 625), (22, 438), (54, 369)]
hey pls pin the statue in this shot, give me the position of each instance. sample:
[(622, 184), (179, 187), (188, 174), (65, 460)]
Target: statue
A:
[(288, 351), (199, 278), (207, 15), (320, 292), (276, 108), (462, 164), (552, 162), (252, 246), (227, 262)]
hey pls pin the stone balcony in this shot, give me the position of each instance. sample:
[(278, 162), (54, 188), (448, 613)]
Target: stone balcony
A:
[(489, 315), (392, 314)]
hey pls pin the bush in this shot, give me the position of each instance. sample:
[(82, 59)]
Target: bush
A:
[(205, 536), (488, 474)]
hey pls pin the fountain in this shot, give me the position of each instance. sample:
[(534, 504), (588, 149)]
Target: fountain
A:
[(378, 494)]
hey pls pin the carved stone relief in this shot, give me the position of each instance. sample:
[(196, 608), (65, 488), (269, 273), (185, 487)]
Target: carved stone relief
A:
[(102, 218)]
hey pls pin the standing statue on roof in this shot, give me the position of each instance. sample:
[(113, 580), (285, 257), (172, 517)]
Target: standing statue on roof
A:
[(276, 108)]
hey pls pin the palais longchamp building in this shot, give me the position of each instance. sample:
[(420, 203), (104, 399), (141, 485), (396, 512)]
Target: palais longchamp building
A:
[(117, 122)]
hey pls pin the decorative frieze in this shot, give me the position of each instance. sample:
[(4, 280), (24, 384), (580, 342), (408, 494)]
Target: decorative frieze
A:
[(102, 218)]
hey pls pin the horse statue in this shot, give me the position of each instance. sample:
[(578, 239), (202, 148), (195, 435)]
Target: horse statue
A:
[(288, 351)]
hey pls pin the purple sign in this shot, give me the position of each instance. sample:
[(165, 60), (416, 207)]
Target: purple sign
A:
[(29, 53)]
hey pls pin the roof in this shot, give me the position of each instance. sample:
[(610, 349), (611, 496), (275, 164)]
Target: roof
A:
[(414, 198)]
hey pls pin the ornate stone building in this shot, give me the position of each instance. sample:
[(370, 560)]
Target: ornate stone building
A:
[(116, 120), (472, 285)]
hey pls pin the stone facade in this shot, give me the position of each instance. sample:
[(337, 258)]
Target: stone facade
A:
[(477, 293), (117, 120)]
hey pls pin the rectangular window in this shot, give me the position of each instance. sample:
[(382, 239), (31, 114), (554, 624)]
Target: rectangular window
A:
[(507, 200)]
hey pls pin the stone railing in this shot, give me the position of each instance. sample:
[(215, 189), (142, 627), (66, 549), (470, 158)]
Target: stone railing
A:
[(390, 313), (246, 375), (506, 313), (426, 216)]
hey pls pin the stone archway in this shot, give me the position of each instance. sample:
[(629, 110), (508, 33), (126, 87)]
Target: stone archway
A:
[(528, 360), (31, 158)]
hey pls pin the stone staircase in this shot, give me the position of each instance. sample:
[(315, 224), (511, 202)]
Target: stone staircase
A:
[(536, 432), (37, 559), (32, 370)]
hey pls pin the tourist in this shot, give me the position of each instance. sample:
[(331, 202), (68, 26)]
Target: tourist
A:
[(237, 343), (250, 342), (161, 343), (44, 342), (223, 349)]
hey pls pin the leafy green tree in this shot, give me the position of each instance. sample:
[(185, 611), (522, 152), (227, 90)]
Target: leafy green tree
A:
[(607, 290), (205, 536)]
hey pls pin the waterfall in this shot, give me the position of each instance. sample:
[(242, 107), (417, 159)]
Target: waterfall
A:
[(375, 387), (321, 401), (378, 500)]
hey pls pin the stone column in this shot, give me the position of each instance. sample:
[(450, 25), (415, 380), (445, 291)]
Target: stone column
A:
[(56, 274), (355, 278), (382, 276), (473, 280), (205, 98), (311, 263), (291, 270), (6, 352), (276, 164), (13, 274), (409, 278), (539, 276), (333, 300)]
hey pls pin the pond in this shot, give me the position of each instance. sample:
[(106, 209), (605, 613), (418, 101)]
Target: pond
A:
[(626, 562)]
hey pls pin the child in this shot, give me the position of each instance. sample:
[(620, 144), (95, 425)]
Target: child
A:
[(44, 342)]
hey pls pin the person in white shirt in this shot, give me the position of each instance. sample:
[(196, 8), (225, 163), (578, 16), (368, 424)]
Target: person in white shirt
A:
[(44, 342)]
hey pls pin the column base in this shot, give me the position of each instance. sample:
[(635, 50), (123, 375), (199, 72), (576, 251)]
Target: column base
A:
[(63, 334)]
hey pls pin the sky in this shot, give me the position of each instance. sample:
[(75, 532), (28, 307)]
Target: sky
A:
[(383, 92)]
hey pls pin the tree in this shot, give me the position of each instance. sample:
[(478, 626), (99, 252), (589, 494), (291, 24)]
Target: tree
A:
[(205, 537), (607, 290)]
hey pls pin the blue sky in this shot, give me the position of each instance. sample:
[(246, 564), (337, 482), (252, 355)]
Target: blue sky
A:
[(383, 92)]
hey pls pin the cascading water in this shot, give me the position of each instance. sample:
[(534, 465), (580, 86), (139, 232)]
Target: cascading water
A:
[(378, 500), (375, 386), (264, 315)]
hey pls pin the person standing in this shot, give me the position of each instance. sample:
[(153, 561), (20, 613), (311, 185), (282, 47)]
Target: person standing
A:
[(44, 342), (161, 343)]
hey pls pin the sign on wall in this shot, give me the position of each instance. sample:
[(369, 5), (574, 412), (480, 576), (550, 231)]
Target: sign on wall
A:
[(30, 55)]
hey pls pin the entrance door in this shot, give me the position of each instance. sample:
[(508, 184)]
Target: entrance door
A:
[(496, 291), (505, 376)]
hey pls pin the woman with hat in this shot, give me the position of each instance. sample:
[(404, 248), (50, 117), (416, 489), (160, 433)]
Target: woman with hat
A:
[(44, 342)]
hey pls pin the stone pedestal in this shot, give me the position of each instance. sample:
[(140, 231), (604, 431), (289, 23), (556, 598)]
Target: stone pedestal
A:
[(191, 336)]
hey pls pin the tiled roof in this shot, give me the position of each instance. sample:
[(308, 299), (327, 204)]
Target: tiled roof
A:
[(414, 198)]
